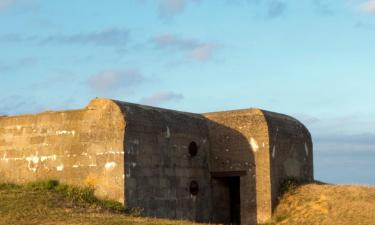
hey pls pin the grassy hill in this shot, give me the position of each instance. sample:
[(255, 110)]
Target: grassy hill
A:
[(323, 204), (48, 203)]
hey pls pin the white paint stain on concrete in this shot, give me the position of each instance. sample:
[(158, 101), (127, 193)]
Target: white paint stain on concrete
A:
[(4, 158), (60, 167), (110, 153), (66, 132), (16, 159), (51, 157), (32, 163), (34, 159), (110, 165), (168, 134), (254, 144), (128, 173), (306, 149), (274, 151), (136, 141)]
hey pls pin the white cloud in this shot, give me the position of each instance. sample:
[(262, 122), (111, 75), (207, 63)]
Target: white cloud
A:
[(161, 97), (4, 4), (194, 49), (270, 8), (368, 6), (108, 37), (110, 80), (118, 37), (168, 40), (203, 52), (169, 8)]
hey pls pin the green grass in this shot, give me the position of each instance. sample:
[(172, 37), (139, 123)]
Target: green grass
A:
[(51, 203)]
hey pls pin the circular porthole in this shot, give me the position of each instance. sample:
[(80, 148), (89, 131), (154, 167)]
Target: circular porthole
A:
[(194, 188), (193, 149)]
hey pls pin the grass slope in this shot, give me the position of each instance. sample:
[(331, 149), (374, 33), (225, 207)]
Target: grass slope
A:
[(48, 203), (323, 204)]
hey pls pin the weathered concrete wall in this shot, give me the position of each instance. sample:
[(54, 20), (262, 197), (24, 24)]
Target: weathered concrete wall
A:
[(83, 147), (158, 166), (239, 142), (269, 147), (291, 152)]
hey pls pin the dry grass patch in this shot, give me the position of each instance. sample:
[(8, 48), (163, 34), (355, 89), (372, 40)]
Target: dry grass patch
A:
[(320, 204), (48, 203)]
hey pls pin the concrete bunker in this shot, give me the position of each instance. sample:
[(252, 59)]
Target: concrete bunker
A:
[(221, 167)]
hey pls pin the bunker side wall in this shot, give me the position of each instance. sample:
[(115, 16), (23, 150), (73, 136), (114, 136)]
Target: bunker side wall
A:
[(239, 142), (81, 147), (158, 166), (291, 151)]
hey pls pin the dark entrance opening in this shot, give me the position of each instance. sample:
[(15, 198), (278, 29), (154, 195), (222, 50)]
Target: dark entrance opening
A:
[(226, 194), (234, 199)]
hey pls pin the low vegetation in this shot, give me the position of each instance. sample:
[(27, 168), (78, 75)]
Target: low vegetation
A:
[(324, 204), (51, 203)]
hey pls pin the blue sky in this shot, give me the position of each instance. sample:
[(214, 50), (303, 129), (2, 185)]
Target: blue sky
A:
[(311, 59)]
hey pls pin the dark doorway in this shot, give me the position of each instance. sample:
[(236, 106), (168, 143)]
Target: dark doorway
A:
[(226, 198), (234, 199)]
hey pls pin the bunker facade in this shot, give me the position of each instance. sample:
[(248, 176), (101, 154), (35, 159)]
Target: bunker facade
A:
[(222, 167)]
